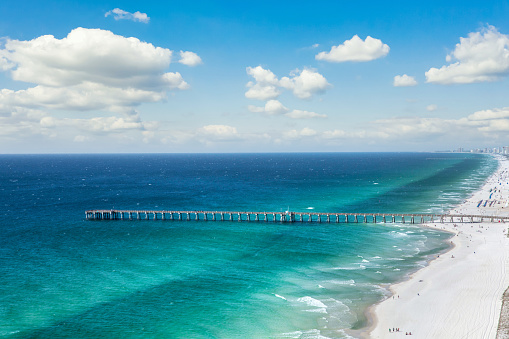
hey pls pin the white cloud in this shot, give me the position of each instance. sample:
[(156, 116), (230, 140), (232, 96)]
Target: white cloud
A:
[(93, 55), (355, 49), (190, 59), (414, 127), (262, 92), (272, 107), (404, 81), (5, 64), (295, 134), (84, 97), (97, 124), (262, 76), (265, 87), (431, 108), (275, 107), (495, 114), (89, 69), (492, 124), (482, 56), (339, 134), (219, 132), (298, 114), (305, 83), (119, 14)]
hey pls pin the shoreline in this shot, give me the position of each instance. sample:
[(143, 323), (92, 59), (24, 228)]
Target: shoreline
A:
[(459, 292)]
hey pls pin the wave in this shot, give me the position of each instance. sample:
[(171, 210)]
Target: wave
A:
[(279, 296), (350, 268), (310, 334), (341, 282)]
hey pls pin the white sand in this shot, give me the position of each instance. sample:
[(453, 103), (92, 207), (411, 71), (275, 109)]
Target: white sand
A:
[(456, 297)]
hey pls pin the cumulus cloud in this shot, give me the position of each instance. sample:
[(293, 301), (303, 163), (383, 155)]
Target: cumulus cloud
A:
[(495, 114), (298, 114), (35, 128), (89, 69), (119, 14), (303, 84), (262, 76), (272, 107), (404, 81), (356, 50), (5, 64), (482, 56), (190, 59), (262, 92), (86, 55)]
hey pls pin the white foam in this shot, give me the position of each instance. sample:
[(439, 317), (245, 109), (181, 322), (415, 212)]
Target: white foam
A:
[(312, 302), (351, 268), (279, 296), (310, 334), (296, 335), (399, 234), (342, 282), (318, 310)]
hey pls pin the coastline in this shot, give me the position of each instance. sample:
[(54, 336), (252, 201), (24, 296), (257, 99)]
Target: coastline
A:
[(459, 293)]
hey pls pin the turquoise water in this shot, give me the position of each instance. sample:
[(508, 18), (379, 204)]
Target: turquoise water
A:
[(65, 277)]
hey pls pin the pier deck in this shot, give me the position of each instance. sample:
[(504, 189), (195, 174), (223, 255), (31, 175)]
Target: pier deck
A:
[(115, 214)]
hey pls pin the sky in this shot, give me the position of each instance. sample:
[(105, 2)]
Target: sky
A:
[(265, 76)]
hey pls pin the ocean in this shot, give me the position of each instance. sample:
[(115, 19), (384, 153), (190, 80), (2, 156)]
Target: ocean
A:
[(66, 277)]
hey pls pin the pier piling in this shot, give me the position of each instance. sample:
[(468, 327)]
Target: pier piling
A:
[(286, 216)]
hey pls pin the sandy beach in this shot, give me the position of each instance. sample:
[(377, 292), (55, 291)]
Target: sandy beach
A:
[(459, 294)]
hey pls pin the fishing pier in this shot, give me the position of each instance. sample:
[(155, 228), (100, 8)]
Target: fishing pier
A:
[(287, 216)]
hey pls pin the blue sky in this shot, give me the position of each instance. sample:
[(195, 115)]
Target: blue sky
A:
[(230, 76)]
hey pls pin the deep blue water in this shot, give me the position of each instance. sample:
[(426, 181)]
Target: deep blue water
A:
[(65, 277)]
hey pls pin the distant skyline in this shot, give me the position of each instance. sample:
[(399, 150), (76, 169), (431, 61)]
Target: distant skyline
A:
[(228, 76)]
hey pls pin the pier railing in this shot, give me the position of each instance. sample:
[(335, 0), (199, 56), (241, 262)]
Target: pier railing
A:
[(288, 216)]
